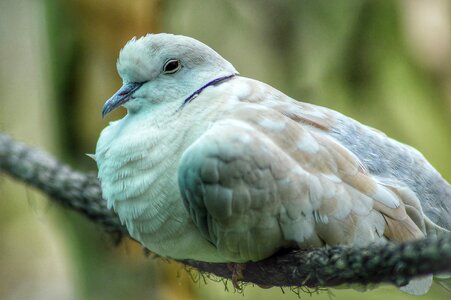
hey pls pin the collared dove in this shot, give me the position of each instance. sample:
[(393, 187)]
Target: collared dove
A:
[(212, 166)]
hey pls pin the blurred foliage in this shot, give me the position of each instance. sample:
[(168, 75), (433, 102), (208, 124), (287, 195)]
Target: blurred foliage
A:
[(384, 63)]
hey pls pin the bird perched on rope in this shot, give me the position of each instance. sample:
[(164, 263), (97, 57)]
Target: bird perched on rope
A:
[(212, 166)]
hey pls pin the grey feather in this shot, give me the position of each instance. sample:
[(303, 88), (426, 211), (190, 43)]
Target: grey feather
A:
[(397, 164)]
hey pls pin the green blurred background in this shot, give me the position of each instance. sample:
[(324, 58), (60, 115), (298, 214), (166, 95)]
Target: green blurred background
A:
[(384, 63)]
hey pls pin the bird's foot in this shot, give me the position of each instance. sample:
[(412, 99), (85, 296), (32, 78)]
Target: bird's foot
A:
[(237, 273)]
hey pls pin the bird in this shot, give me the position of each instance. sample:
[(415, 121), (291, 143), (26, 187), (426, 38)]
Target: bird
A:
[(212, 166)]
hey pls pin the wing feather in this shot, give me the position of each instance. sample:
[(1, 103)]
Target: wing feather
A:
[(259, 180)]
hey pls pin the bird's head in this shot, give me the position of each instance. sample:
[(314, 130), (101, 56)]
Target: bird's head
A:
[(163, 68)]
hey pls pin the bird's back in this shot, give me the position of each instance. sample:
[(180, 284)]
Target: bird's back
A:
[(394, 163), (387, 160), (391, 162)]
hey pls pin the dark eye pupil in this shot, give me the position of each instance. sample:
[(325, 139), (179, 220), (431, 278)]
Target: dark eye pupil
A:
[(171, 66)]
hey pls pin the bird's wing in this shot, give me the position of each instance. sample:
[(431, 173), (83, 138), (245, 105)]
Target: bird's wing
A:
[(392, 163), (259, 180)]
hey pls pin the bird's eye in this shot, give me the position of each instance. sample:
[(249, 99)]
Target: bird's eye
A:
[(171, 66)]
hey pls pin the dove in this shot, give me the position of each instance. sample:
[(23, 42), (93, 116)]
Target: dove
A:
[(216, 167)]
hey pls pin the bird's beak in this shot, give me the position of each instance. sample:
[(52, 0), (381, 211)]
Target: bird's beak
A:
[(122, 95)]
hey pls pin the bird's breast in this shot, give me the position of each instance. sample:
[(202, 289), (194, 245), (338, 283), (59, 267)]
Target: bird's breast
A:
[(137, 169), (137, 162)]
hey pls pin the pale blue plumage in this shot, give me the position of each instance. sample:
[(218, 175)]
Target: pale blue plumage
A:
[(240, 170)]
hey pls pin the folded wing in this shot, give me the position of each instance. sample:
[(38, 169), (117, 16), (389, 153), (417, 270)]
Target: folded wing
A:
[(260, 180)]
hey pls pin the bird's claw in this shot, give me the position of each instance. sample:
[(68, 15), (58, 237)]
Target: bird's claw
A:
[(237, 273)]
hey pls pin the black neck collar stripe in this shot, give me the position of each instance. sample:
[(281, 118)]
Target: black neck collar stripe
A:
[(210, 83)]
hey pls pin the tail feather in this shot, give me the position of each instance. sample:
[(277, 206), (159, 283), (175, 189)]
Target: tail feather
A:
[(418, 286)]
